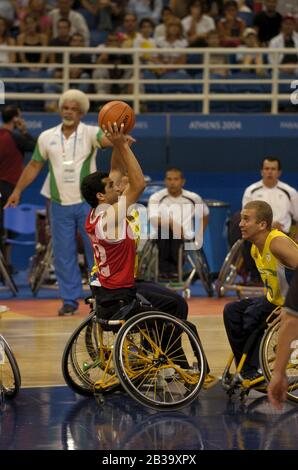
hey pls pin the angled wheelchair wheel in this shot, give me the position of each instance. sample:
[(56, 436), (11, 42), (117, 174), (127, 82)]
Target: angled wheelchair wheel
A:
[(10, 377), (40, 265), (159, 361), (229, 270), (87, 361), (7, 278), (267, 360), (202, 268)]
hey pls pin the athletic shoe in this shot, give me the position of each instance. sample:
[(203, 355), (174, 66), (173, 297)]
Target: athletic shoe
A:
[(67, 310)]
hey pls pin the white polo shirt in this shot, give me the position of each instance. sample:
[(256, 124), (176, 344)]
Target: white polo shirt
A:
[(79, 151), (282, 198), (182, 208)]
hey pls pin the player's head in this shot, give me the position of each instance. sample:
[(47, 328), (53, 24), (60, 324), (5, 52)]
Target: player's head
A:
[(98, 188), (256, 219), (174, 181), (73, 105), (270, 171), (11, 114)]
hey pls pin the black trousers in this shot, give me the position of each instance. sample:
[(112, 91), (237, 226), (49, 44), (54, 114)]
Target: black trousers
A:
[(168, 251), (241, 318)]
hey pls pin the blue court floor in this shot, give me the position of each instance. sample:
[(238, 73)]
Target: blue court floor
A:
[(56, 418)]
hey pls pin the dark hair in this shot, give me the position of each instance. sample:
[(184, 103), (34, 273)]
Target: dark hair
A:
[(146, 20), (263, 212), (271, 159), (9, 112), (177, 170), (65, 20), (229, 4), (91, 185)]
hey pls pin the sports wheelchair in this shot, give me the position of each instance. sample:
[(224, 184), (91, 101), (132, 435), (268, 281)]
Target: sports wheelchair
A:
[(232, 382), (154, 356), (10, 377), (231, 268), (190, 264)]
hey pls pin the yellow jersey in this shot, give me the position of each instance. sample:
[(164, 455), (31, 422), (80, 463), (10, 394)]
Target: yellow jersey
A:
[(272, 272)]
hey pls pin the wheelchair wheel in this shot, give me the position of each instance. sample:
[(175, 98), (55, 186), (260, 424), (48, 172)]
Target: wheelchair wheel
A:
[(159, 361), (10, 377), (40, 265), (267, 360), (202, 268), (87, 358), (230, 268), (7, 278)]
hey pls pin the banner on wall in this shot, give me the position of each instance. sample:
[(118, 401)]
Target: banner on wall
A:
[(234, 126), (146, 125)]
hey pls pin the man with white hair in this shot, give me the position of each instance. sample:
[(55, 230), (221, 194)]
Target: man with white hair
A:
[(70, 150)]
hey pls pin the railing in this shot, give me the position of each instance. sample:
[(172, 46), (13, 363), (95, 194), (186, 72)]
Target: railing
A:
[(273, 78)]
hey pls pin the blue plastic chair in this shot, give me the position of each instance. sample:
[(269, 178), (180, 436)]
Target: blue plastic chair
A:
[(151, 88), (22, 221), (247, 88), (179, 88), (221, 88)]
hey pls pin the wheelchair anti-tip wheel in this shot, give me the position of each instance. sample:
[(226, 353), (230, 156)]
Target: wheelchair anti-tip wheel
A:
[(159, 360), (88, 359), (267, 360)]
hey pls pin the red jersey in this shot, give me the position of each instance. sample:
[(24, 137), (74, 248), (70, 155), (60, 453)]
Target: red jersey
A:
[(115, 259), (11, 159)]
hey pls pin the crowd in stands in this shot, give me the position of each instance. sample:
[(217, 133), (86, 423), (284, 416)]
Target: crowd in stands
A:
[(144, 24)]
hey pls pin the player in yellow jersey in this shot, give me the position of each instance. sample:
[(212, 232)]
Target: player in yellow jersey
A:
[(273, 252)]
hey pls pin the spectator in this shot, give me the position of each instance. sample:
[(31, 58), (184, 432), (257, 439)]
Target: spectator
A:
[(129, 33), (145, 40), (231, 27), (287, 38), (217, 59), (62, 40), (172, 232), (196, 25), (6, 40), (115, 73), (174, 39), (7, 11), (253, 58), (108, 14), (37, 8), (70, 149), (268, 22), (180, 9), (160, 29), (77, 40), (78, 22), (14, 142), (146, 9), (32, 37)]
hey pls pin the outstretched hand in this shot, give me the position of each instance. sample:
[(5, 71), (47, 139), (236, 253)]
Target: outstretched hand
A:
[(115, 134), (277, 390)]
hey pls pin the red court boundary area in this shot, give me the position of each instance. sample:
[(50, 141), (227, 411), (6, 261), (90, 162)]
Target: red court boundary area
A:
[(43, 308)]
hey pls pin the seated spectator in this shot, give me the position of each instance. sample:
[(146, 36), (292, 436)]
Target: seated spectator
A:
[(62, 40), (32, 37), (174, 228), (174, 39), (77, 40), (268, 22), (144, 9), (37, 8), (129, 33), (254, 58), (111, 73), (217, 59), (231, 27), (146, 41), (108, 14), (287, 38), (6, 40), (77, 21), (214, 8), (180, 9), (196, 25), (160, 29)]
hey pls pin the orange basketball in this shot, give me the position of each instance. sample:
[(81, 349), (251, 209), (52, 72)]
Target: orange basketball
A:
[(117, 111)]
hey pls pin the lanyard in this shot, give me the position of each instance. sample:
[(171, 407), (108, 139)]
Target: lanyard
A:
[(74, 146)]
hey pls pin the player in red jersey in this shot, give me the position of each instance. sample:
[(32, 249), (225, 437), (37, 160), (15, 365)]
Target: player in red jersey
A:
[(108, 228)]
